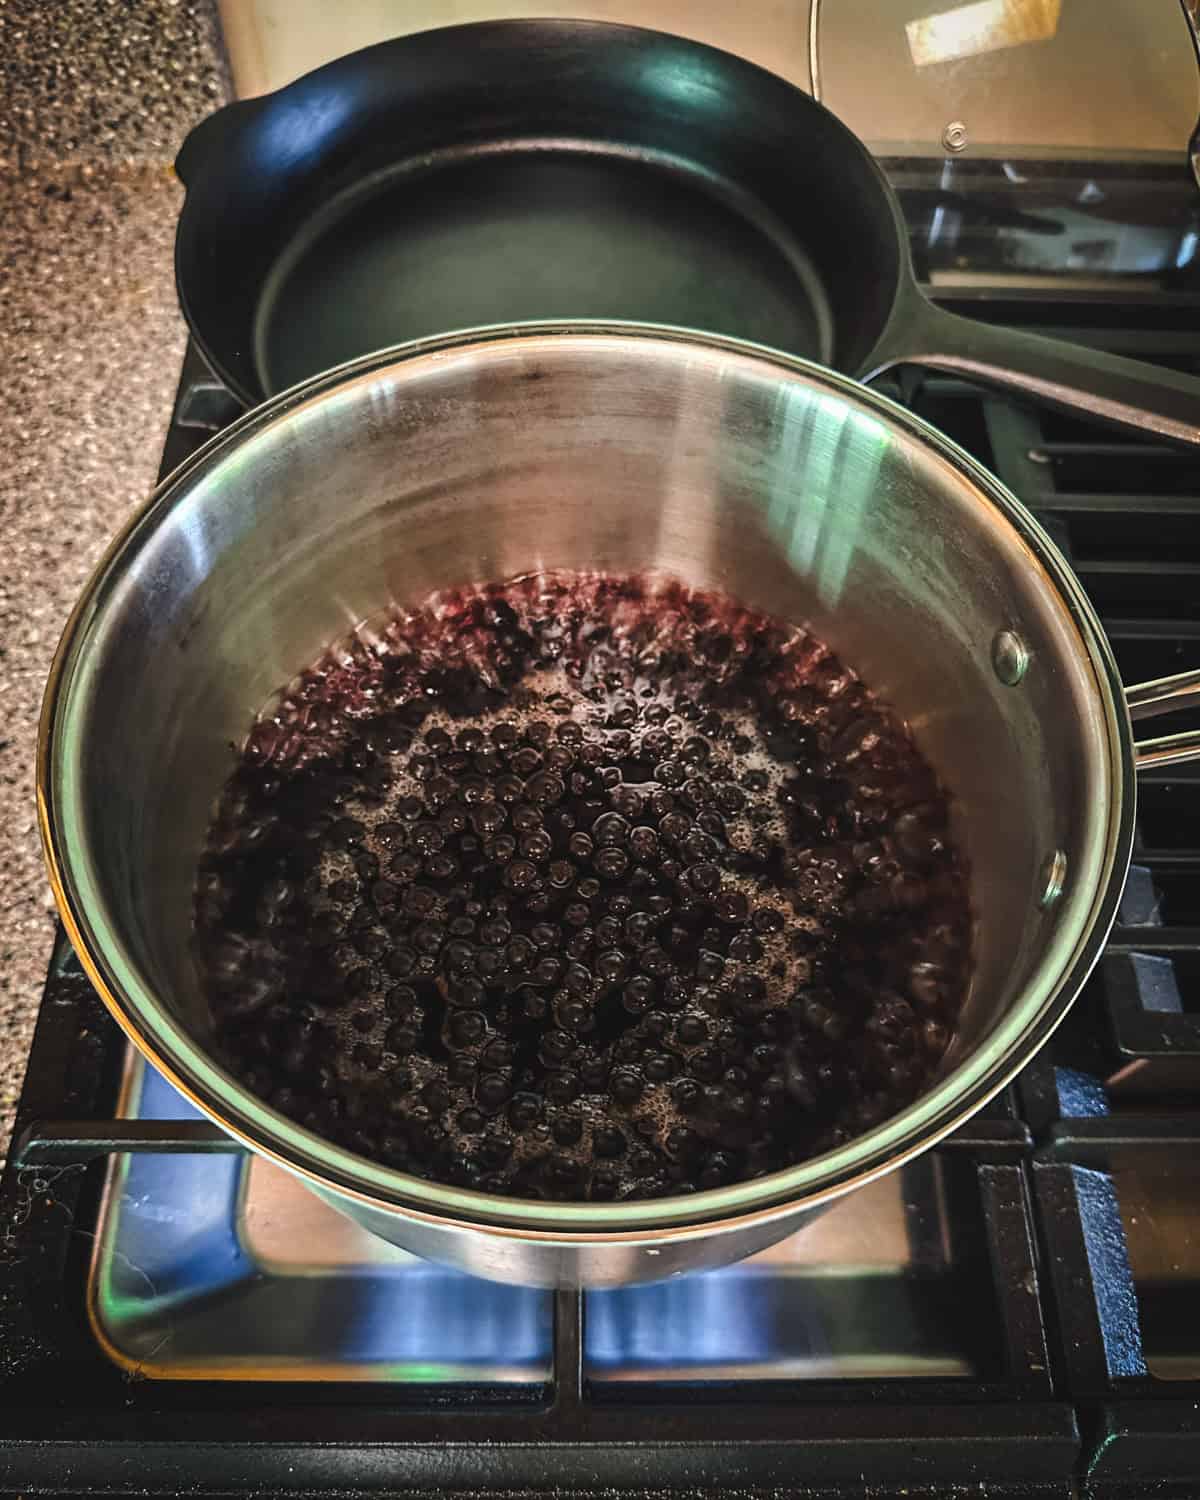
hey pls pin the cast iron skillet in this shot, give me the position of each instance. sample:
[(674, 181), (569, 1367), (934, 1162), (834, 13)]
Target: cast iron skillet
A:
[(512, 170)]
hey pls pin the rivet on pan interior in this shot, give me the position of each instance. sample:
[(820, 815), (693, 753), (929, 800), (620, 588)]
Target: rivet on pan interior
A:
[(1009, 657), (1053, 878)]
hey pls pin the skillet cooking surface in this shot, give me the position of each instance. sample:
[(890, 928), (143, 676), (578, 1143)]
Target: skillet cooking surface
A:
[(534, 233)]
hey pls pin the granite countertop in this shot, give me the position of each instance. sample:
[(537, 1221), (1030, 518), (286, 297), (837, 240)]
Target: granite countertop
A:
[(99, 94)]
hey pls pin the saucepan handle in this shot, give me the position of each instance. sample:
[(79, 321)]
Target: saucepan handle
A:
[(1164, 696)]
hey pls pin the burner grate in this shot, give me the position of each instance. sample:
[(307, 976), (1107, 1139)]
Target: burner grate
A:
[(1114, 1101)]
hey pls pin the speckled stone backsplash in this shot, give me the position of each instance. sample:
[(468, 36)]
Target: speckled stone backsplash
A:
[(95, 97)]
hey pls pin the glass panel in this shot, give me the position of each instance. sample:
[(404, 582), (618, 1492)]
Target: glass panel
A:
[(220, 1267), (1158, 1198), (891, 1281)]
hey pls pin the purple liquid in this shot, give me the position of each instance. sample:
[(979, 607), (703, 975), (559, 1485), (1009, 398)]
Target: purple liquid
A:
[(583, 887)]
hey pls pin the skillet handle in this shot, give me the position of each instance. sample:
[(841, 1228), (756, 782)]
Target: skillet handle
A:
[(1106, 386), (1164, 696)]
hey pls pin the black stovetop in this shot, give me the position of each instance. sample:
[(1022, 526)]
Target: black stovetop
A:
[(1068, 1288)]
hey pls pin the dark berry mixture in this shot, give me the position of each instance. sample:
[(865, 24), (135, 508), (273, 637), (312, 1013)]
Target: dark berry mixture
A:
[(583, 887)]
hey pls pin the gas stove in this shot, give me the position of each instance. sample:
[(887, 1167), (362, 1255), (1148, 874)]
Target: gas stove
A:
[(1017, 1312)]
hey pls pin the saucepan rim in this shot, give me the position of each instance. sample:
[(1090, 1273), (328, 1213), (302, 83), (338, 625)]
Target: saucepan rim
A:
[(187, 1064)]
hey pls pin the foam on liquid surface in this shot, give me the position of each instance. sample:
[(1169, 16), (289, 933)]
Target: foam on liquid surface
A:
[(424, 934)]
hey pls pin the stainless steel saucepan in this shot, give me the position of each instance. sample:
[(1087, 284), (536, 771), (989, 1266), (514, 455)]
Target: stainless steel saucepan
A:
[(480, 456)]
